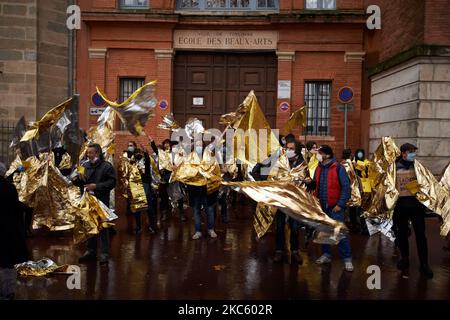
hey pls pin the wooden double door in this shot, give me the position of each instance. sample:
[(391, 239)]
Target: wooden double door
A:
[(209, 84)]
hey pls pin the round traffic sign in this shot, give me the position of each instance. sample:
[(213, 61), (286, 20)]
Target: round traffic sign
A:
[(97, 100), (345, 95), (163, 104), (284, 106)]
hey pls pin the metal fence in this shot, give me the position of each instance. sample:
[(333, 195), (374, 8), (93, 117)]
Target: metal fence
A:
[(6, 135)]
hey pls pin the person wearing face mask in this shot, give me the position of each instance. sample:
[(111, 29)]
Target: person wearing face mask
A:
[(332, 187), (408, 208), (293, 152), (99, 178)]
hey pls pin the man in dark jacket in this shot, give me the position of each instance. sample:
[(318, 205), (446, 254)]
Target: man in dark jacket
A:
[(99, 179), (332, 187), (13, 248), (409, 208)]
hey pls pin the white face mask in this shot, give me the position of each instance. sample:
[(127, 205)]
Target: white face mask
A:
[(94, 160), (199, 150), (290, 153), (359, 155), (319, 157), (131, 149)]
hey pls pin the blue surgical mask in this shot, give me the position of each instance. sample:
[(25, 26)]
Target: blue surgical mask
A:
[(199, 150), (411, 156), (359, 155), (131, 149)]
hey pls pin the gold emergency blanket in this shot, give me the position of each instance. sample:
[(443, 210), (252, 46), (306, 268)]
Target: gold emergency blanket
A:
[(91, 217), (445, 180), (169, 123), (49, 119), (196, 172), (253, 139), (281, 171), (52, 197), (433, 195), (165, 160), (383, 174), (137, 109), (131, 184), (297, 203), (297, 119), (312, 165), (66, 162), (355, 185), (38, 268)]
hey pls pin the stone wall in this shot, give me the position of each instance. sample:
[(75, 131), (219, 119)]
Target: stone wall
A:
[(411, 103)]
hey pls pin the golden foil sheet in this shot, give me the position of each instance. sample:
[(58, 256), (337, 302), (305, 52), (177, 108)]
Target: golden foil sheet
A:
[(297, 119), (37, 268), (193, 127), (91, 217), (433, 195), (355, 184), (297, 203), (445, 180), (165, 160), (66, 162), (196, 172), (281, 171), (249, 148), (137, 109), (50, 118), (383, 174), (132, 186), (14, 166), (169, 123), (154, 171), (52, 197)]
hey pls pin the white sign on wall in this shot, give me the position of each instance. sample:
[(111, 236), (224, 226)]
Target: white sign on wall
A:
[(284, 89), (197, 101)]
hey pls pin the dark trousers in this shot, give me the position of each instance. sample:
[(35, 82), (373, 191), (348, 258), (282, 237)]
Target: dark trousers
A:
[(405, 210), (152, 207), (223, 201), (280, 220), (104, 243)]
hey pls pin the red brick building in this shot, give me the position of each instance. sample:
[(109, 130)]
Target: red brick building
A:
[(207, 55)]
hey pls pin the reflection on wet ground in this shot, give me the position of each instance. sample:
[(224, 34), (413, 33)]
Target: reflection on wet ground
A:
[(169, 265)]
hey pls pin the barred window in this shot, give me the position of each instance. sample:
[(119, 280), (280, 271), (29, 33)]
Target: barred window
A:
[(127, 87), (321, 4), (133, 4), (318, 100)]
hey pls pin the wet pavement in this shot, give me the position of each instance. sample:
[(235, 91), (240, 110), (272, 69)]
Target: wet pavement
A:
[(169, 265)]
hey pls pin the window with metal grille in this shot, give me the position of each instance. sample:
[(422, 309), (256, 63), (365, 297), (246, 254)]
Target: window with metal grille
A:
[(133, 4), (227, 5), (320, 4), (127, 87), (318, 100)]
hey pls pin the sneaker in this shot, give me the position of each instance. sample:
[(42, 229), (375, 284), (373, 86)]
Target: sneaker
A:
[(295, 257), (197, 235), (323, 259), (104, 259), (426, 271), (212, 234), (348, 266), (87, 256), (403, 264), (278, 257), (151, 230)]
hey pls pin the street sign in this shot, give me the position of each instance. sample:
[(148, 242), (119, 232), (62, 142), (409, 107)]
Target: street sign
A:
[(163, 104), (341, 107), (345, 95), (97, 100), (284, 106), (95, 111)]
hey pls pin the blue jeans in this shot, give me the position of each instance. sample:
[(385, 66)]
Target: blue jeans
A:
[(198, 201), (344, 244)]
